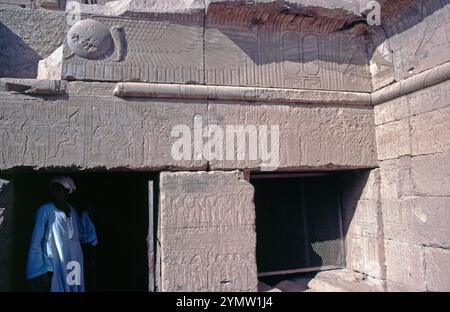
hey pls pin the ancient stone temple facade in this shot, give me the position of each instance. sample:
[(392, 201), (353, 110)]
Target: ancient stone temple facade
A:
[(170, 88)]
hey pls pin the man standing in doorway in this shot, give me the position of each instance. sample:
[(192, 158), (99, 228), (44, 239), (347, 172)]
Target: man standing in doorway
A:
[(55, 258)]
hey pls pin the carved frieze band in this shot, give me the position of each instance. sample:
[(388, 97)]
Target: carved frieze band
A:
[(412, 84), (409, 85), (252, 94)]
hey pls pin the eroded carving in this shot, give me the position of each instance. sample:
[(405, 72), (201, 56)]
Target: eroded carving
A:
[(207, 232), (89, 39), (33, 86)]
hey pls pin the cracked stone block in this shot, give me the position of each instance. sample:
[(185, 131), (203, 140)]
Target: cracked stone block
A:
[(394, 110), (256, 45), (325, 137), (24, 44), (437, 263), (405, 264), (418, 220), (158, 47), (429, 99), (344, 280), (430, 132), (51, 67), (88, 129), (393, 139), (365, 254), (207, 232), (382, 66), (396, 180), (418, 36), (431, 174)]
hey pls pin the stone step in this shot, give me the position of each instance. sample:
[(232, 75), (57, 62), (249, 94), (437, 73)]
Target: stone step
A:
[(344, 281)]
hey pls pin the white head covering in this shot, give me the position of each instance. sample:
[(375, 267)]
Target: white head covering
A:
[(66, 182)]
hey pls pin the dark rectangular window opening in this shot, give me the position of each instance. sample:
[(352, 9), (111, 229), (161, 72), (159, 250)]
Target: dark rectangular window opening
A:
[(123, 214), (298, 223)]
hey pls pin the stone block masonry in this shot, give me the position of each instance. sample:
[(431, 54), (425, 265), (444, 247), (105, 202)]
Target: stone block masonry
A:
[(206, 232)]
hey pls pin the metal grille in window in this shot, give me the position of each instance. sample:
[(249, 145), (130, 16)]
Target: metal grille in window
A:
[(299, 226)]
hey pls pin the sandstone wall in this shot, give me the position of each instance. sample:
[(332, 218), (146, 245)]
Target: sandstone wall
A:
[(207, 236), (413, 143), (90, 128), (363, 223), (414, 36), (27, 36)]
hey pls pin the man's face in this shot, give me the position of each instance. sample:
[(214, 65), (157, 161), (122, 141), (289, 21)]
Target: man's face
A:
[(58, 192)]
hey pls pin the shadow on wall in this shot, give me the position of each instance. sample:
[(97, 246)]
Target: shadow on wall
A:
[(296, 33), (17, 59), (308, 35), (353, 184)]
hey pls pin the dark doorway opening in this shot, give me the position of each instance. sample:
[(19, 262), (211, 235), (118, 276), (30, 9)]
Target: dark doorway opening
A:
[(119, 206), (298, 223)]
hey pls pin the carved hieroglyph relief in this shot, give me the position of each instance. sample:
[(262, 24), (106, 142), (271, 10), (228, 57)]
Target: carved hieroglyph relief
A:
[(207, 233), (248, 46), (155, 48), (417, 37), (87, 127), (91, 131)]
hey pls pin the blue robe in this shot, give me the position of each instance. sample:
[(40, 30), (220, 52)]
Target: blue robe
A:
[(55, 243)]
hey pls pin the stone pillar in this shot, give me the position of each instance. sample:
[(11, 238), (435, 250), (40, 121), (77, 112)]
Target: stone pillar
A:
[(206, 232)]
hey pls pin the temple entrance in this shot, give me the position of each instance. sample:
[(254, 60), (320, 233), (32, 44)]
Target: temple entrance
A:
[(121, 207), (298, 223)]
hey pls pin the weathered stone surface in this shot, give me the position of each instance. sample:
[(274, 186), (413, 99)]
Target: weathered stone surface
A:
[(396, 181), (344, 281), (393, 139), (418, 220), (365, 254), (207, 232), (437, 262), (291, 286), (33, 86), (430, 132), (320, 137), (160, 48), (23, 44), (89, 39), (404, 265), (15, 3), (429, 99), (418, 35), (259, 46), (382, 65), (51, 67), (6, 234), (431, 174), (363, 223), (249, 44), (140, 7), (365, 220), (336, 8), (88, 129), (415, 83), (393, 110), (396, 287), (250, 94), (360, 185), (83, 112), (414, 188)]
